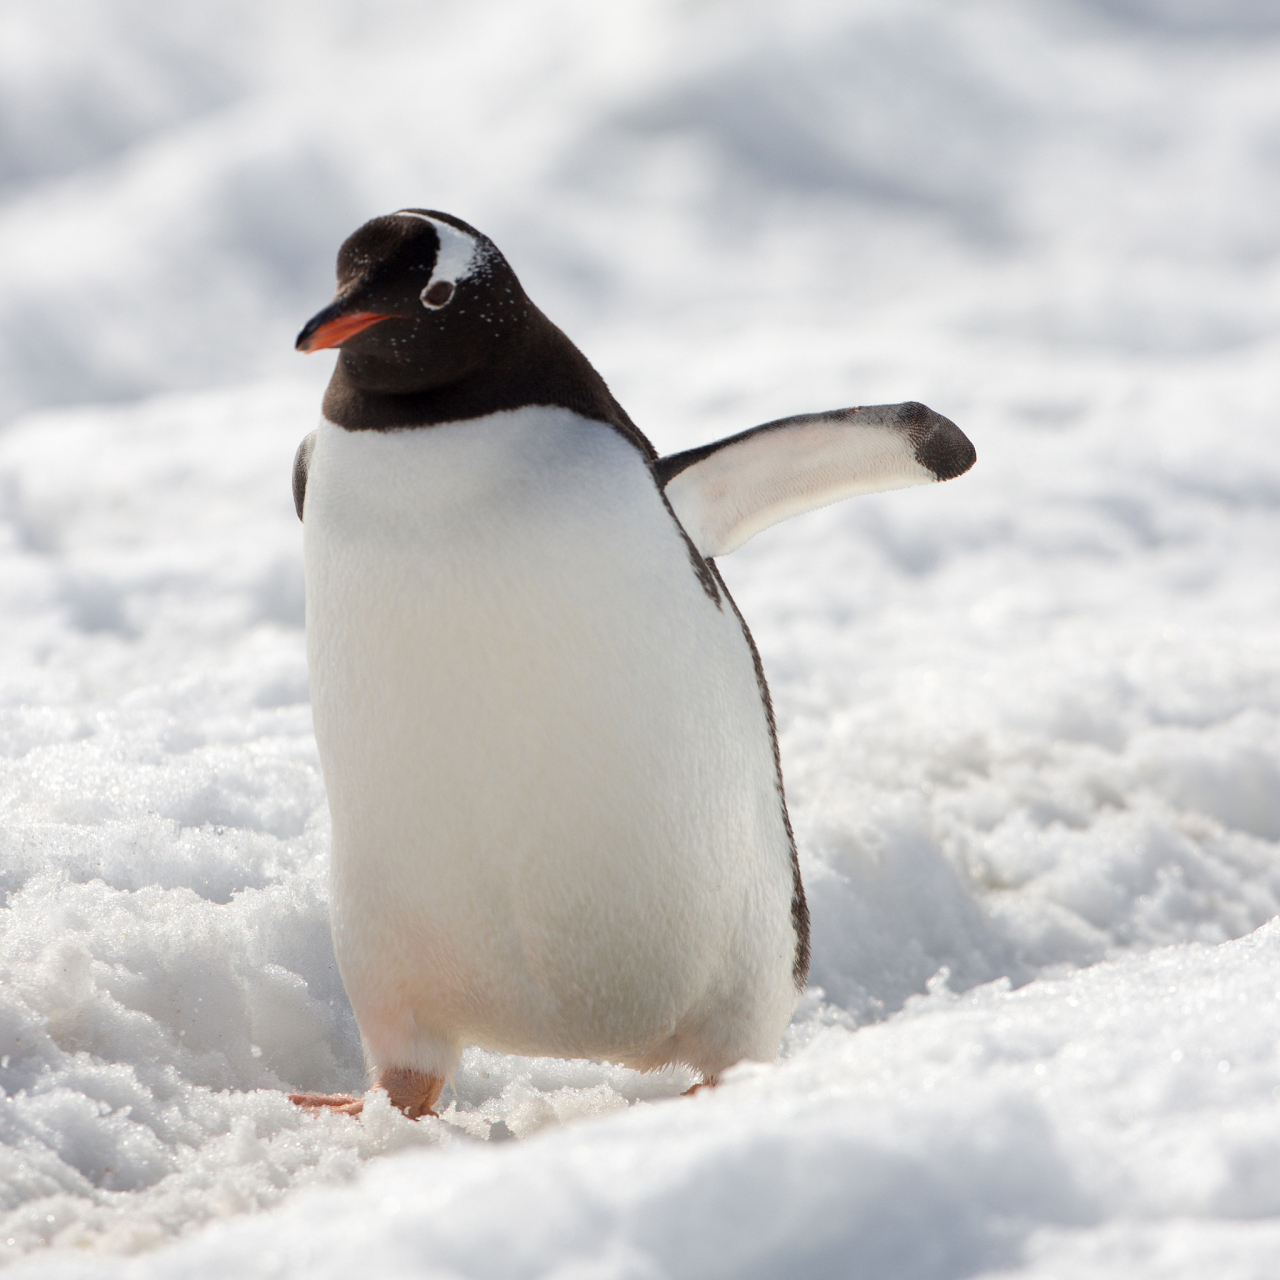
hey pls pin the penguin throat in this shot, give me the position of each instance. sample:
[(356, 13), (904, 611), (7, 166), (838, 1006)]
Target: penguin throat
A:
[(375, 375), (536, 366)]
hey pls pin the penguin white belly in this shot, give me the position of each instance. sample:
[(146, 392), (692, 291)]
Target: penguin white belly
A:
[(556, 821)]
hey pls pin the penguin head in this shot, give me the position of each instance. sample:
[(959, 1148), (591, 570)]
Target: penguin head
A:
[(423, 300)]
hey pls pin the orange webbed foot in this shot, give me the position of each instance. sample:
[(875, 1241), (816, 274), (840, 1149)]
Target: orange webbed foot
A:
[(342, 1103), (411, 1092), (708, 1082)]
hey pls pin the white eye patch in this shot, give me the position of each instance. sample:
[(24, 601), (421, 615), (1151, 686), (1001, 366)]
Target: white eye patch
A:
[(455, 261)]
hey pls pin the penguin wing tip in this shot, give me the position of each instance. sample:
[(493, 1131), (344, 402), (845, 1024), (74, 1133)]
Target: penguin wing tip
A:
[(941, 446)]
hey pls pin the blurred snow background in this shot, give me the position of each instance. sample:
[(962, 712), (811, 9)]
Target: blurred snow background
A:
[(1030, 720)]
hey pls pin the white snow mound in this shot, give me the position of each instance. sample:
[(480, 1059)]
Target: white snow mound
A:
[(1030, 719)]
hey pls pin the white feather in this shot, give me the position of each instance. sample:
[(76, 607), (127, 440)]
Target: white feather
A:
[(556, 827), (456, 257)]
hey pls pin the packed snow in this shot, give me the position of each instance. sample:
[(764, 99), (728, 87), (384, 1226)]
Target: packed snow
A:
[(1029, 719)]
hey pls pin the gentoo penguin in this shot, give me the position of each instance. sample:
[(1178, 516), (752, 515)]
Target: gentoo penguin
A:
[(558, 818)]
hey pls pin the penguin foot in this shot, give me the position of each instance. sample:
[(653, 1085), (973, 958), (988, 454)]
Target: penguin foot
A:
[(708, 1082), (343, 1103), (410, 1091)]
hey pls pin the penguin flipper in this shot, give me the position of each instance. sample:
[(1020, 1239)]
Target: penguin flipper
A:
[(301, 462), (726, 492)]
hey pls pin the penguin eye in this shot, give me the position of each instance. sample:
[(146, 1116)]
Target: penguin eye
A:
[(437, 295)]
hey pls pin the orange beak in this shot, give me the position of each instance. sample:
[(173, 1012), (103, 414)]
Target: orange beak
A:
[(333, 333)]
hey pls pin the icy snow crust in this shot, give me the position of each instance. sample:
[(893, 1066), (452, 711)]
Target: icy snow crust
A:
[(1030, 720)]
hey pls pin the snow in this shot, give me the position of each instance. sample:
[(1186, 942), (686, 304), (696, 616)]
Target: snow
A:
[(1030, 719)]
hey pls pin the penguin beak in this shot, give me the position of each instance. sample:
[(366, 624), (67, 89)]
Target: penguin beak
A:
[(332, 327)]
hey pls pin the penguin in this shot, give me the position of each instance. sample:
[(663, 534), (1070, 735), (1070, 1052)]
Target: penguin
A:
[(549, 751)]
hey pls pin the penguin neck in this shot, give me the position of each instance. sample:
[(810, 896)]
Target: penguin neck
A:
[(537, 366)]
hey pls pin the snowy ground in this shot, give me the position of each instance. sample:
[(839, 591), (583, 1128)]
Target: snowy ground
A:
[(1030, 720)]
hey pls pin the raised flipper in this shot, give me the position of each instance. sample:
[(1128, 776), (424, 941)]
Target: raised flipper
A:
[(726, 492), (301, 462)]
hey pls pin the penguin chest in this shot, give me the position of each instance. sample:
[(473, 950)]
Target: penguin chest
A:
[(556, 825)]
